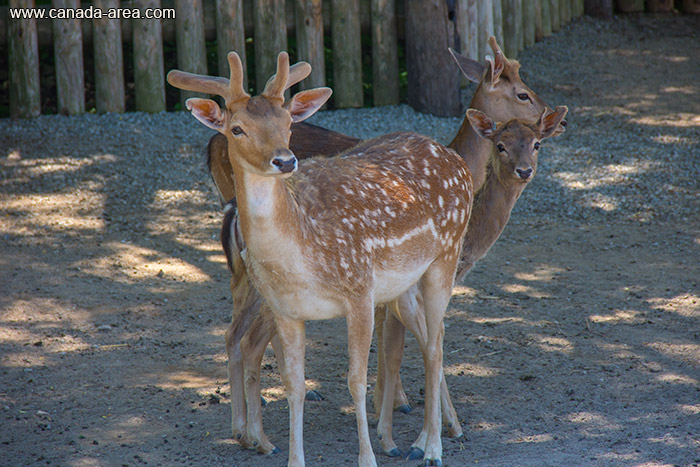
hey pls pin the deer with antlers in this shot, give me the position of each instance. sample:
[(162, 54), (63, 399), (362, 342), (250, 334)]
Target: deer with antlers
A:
[(500, 94), (333, 237)]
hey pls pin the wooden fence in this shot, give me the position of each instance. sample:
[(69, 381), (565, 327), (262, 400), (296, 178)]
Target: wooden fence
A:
[(270, 25)]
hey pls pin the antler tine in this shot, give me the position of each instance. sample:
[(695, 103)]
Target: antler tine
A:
[(275, 87), (235, 90), (297, 72), (495, 47), (198, 83)]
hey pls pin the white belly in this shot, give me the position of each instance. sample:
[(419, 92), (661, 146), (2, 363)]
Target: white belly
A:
[(389, 284)]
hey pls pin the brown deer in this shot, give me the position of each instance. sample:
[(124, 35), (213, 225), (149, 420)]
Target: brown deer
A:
[(501, 94), (340, 235), (508, 171)]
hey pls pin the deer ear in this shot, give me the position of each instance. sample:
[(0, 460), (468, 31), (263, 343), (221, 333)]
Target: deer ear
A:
[(206, 111), (549, 123), (472, 69), (484, 126), (305, 103)]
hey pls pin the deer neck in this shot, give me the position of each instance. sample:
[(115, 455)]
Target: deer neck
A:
[(269, 215), (493, 204), (474, 150)]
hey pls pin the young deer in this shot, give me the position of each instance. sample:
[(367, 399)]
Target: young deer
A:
[(508, 171), (501, 94), (341, 235)]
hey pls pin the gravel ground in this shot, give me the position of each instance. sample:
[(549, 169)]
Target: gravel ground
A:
[(577, 340)]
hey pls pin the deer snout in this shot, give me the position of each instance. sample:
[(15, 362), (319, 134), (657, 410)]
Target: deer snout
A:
[(524, 173), (285, 162)]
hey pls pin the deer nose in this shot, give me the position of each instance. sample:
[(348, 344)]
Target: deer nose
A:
[(524, 174), (286, 163)]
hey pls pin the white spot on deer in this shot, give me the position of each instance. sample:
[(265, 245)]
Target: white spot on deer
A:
[(444, 184), (389, 211), (440, 201), (426, 171), (344, 264), (425, 184), (433, 151)]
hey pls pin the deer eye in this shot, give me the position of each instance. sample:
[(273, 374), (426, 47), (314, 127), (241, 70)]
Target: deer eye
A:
[(500, 147), (523, 96), (537, 146), (236, 130)]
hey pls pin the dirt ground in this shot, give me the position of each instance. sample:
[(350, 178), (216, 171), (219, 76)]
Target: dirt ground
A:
[(576, 341)]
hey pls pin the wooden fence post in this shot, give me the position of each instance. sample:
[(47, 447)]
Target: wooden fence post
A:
[(599, 8), (468, 28), (347, 53), (230, 36), (109, 60), (191, 49), (512, 27), (25, 97), (486, 30), (555, 15), (270, 38), (529, 23), (309, 24), (385, 54), (565, 12), (68, 56), (149, 79), (433, 80), (498, 20), (546, 18)]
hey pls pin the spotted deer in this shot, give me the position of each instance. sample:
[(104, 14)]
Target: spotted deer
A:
[(334, 237), (502, 95)]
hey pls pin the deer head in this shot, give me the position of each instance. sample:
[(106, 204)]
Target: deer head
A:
[(517, 142), (256, 128), (501, 93)]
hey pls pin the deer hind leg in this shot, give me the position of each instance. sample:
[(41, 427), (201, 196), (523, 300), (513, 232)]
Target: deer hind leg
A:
[(360, 321), (291, 335), (253, 345), (392, 337), (399, 401)]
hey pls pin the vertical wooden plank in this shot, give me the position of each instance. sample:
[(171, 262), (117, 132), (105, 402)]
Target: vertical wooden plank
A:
[(309, 24), (385, 54), (565, 12), (230, 36), (659, 6), (472, 30), (528, 23), (555, 15), (25, 97), (691, 6), (510, 29), (347, 53), (498, 20), (599, 8), (433, 80), (546, 18), (109, 60), (189, 36), (149, 79), (68, 56), (486, 30), (539, 32), (270, 38)]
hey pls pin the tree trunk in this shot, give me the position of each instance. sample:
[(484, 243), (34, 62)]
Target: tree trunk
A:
[(149, 79), (385, 54), (309, 25), (25, 97), (270, 38), (109, 61), (68, 55), (347, 53), (433, 80), (230, 36)]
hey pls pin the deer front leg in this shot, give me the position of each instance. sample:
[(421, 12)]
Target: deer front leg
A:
[(399, 401), (239, 427), (292, 334), (360, 321)]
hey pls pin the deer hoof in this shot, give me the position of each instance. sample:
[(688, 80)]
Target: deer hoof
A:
[(263, 402), (404, 408), (314, 396), (396, 452), (276, 450), (435, 462), (415, 454)]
